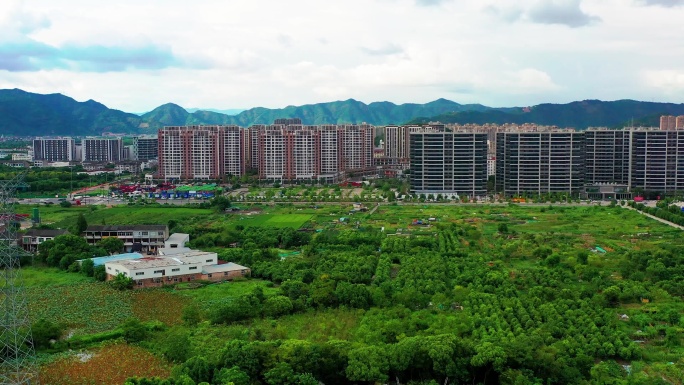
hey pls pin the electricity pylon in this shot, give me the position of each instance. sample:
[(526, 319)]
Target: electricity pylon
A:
[(17, 354)]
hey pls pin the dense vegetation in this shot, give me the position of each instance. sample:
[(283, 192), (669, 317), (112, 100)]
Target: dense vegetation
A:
[(482, 294)]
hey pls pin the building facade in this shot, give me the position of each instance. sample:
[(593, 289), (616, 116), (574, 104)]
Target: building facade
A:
[(656, 160), (607, 156), (145, 147), (102, 150), (448, 163), (540, 162), (145, 238), (181, 267), (54, 149), (34, 237)]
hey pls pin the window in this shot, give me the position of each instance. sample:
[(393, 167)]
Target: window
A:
[(177, 269), (159, 272), (140, 273), (139, 283), (209, 275), (225, 273), (193, 268), (117, 270), (209, 260), (109, 268), (161, 233), (144, 233)]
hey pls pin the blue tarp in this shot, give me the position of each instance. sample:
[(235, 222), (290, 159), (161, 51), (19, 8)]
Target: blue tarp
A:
[(117, 257)]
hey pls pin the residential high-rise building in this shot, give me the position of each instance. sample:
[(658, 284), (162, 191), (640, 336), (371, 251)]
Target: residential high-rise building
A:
[(272, 153), (540, 162), (607, 156), (679, 122), (448, 163), (252, 146), (330, 153), (357, 147), (656, 160), (191, 152), (234, 163), (668, 122), (145, 147), (54, 149), (102, 149)]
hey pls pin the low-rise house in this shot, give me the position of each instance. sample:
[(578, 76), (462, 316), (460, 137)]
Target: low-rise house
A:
[(34, 237), (145, 238), (181, 267)]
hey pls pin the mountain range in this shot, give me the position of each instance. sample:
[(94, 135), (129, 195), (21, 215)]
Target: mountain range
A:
[(29, 114)]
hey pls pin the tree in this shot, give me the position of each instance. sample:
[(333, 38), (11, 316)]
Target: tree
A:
[(81, 224), (503, 228), (122, 282), (43, 331), (100, 273), (134, 330), (231, 375), (191, 315), (65, 204), (111, 244), (220, 203), (88, 267), (277, 305), (368, 363)]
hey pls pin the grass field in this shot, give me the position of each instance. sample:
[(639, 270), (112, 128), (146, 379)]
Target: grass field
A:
[(118, 215), (50, 276), (277, 221), (211, 294)]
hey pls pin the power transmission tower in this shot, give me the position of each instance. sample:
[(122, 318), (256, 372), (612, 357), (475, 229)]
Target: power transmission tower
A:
[(17, 355)]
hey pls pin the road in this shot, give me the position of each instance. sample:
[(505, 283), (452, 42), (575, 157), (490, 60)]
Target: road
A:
[(656, 218)]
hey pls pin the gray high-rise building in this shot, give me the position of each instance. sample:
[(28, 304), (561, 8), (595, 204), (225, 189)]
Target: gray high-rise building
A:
[(656, 160), (540, 162), (102, 149), (448, 162), (54, 149), (146, 147), (607, 156)]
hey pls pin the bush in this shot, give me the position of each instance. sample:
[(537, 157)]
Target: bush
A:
[(133, 330), (44, 331)]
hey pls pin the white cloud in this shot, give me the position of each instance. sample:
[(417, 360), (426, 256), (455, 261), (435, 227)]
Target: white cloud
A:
[(561, 12), (663, 3), (242, 54)]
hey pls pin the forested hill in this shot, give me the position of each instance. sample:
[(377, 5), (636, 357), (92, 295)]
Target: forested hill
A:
[(25, 113), (339, 112), (581, 115)]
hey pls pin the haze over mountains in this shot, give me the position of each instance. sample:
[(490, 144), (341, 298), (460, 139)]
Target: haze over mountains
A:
[(29, 114)]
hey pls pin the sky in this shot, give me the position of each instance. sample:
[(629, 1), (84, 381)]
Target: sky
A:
[(135, 55)]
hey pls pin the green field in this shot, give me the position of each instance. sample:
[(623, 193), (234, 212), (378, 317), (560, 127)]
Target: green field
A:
[(118, 215), (49, 276), (492, 283), (276, 221)]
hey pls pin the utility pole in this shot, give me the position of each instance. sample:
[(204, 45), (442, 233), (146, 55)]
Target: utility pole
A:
[(17, 354)]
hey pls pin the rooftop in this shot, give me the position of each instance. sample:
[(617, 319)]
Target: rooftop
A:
[(192, 257), (44, 232), (230, 266), (178, 237), (117, 257)]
